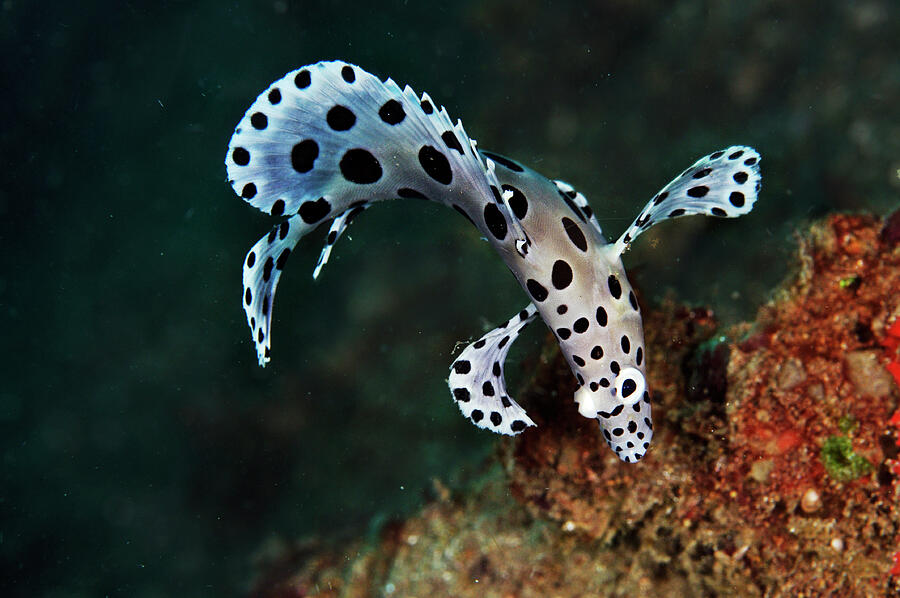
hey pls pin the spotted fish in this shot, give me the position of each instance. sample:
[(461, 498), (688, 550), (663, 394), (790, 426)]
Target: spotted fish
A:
[(327, 140)]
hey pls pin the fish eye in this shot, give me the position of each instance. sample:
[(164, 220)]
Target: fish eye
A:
[(630, 386)]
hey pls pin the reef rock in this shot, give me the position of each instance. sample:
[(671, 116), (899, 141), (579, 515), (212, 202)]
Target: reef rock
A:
[(773, 472)]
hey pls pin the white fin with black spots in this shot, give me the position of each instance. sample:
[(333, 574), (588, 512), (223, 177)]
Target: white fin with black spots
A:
[(477, 379), (262, 269), (328, 135), (337, 228), (723, 184)]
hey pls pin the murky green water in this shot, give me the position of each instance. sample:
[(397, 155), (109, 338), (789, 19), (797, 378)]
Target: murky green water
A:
[(146, 454)]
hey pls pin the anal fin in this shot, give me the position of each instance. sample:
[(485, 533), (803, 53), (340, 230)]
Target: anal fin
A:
[(477, 379)]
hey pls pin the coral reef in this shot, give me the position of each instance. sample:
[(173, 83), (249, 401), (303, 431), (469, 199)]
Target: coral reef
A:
[(774, 469)]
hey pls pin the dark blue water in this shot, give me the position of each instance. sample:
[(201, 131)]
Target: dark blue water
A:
[(144, 451)]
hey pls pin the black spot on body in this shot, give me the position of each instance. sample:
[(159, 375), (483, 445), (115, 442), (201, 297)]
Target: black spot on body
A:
[(267, 269), (615, 288), (561, 275), (303, 155), (275, 96), (562, 309), (602, 318), (594, 386), (240, 156), (617, 410), (628, 388), (698, 191), (340, 118), (249, 191), (749, 161), (495, 418), (477, 416), (718, 212), (538, 292), (597, 352), (259, 121), (503, 342), (737, 199), (736, 155), (702, 173), (277, 208), (564, 333), (495, 221), (574, 233), (578, 360), (632, 300), (618, 431), (392, 112), (614, 367), (462, 367), (506, 162), (715, 155), (313, 211), (251, 259), (332, 237), (740, 177), (435, 164), (461, 395), (248, 296), (604, 383), (581, 325), (495, 369), (504, 400), (302, 79), (348, 74), (518, 425), (479, 344), (676, 213), (451, 141), (639, 356), (660, 198), (488, 389), (632, 427), (360, 166), (427, 108), (518, 203), (523, 315), (626, 344)]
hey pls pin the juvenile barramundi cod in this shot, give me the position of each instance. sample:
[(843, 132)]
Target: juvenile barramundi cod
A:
[(327, 140)]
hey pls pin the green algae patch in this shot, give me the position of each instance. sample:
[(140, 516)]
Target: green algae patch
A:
[(847, 424), (841, 463)]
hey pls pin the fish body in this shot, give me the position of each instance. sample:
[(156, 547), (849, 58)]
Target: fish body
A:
[(327, 140)]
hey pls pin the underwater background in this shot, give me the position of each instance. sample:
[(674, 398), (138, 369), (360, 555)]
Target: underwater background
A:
[(144, 451)]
